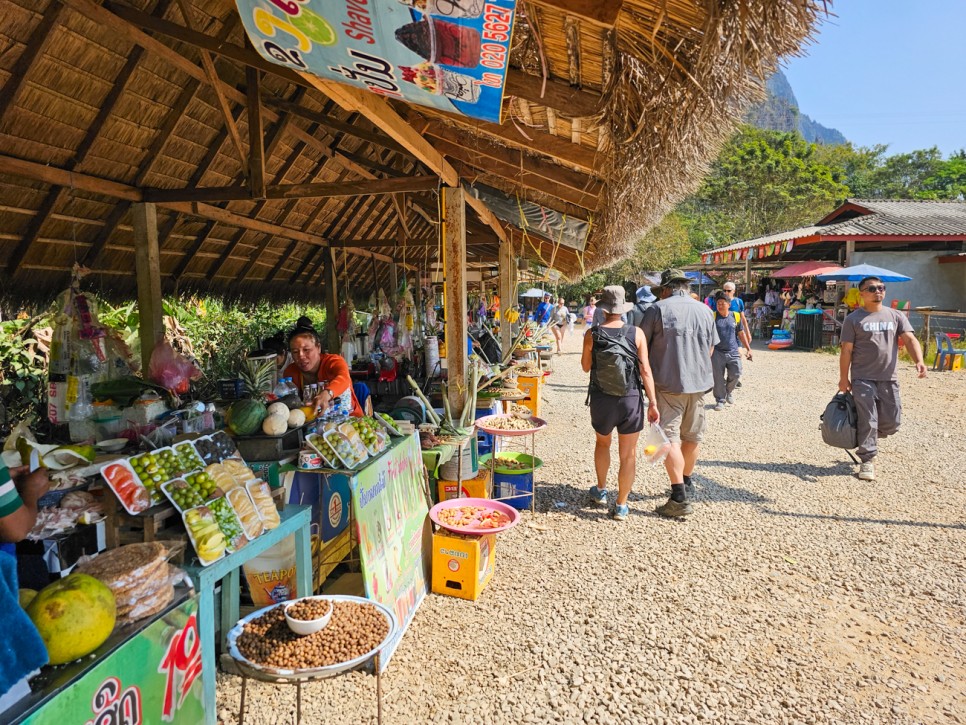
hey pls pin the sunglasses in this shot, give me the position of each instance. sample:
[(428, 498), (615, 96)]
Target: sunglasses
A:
[(875, 288)]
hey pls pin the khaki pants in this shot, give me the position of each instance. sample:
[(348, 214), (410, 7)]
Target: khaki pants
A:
[(682, 416)]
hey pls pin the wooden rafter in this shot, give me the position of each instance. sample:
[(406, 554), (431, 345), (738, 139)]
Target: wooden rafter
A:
[(367, 187), (256, 130), (598, 12), (36, 45), (55, 194), (558, 95)]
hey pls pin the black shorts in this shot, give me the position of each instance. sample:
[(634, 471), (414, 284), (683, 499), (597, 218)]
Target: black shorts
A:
[(609, 411)]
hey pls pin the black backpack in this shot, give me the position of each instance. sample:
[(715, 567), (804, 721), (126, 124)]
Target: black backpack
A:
[(840, 421), (615, 369)]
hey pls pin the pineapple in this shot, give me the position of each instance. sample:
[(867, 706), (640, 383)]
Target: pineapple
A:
[(258, 377)]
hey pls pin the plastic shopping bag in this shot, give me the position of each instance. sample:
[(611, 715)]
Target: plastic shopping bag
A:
[(656, 445), (171, 370)]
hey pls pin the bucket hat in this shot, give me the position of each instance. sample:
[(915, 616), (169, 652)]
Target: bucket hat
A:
[(612, 300)]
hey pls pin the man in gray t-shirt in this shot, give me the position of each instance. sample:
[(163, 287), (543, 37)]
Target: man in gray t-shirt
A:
[(680, 334), (870, 355)]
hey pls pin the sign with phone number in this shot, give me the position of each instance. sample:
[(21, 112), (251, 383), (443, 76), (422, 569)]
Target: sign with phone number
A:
[(451, 55)]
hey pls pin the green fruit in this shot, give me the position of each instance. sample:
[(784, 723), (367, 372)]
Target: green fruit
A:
[(246, 416)]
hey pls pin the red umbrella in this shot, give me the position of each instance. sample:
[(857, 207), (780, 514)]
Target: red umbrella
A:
[(807, 269)]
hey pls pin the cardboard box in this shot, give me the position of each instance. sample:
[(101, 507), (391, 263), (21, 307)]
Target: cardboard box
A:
[(462, 565), (532, 386), (479, 487)]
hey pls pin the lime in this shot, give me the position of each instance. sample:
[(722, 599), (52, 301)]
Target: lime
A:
[(315, 27)]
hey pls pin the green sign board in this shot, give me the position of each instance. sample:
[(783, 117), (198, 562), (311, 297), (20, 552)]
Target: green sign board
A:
[(154, 677), (392, 516)]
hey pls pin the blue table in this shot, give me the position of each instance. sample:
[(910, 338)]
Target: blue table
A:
[(295, 520)]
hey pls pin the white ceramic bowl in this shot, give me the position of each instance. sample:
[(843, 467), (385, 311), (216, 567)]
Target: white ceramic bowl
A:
[(311, 626), (112, 445)]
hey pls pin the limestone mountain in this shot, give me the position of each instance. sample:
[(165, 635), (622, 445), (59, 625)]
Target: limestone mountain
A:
[(780, 112)]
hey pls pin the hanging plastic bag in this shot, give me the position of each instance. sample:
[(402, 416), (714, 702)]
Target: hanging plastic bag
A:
[(171, 370), (656, 445)]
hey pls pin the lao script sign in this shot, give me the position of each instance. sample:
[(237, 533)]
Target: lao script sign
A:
[(451, 55)]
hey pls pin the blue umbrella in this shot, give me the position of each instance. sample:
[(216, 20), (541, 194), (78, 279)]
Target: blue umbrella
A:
[(861, 271), (698, 277)]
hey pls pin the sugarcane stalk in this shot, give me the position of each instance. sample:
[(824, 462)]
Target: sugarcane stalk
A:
[(475, 373), (449, 412), (496, 377), (419, 394)]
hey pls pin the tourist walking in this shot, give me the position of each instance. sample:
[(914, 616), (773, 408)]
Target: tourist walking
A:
[(867, 367), (736, 304), (680, 336), (542, 314), (589, 311), (559, 319), (726, 357), (615, 355)]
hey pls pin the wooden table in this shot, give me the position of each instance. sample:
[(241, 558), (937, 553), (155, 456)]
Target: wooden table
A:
[(295, 520)]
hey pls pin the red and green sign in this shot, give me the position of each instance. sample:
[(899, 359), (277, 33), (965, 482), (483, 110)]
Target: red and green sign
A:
[(154, 677)]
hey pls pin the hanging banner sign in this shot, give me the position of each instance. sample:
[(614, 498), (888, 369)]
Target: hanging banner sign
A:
[(451, 55)]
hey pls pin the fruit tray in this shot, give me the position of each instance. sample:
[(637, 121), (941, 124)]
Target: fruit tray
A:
[(251, 522), (261, 495), (205, 534), (182, 495), (124, 482), (373, 437), (388, 423), (359, 450), (321, 446), (229, 523), (319, 672)]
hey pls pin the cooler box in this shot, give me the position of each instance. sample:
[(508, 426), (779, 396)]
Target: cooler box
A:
[(462, 565), (808, 329), (478, 487), (532, 386)]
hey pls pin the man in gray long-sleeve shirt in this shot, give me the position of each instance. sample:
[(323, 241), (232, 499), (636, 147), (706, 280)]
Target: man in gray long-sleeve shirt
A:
[(680, 335)]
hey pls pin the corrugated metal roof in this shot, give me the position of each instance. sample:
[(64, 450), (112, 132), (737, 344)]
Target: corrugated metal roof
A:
[(911, 217)]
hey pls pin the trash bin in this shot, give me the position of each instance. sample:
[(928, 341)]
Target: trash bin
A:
[(808, 330)]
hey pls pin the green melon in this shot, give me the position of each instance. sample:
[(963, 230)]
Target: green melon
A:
[(245, 417)]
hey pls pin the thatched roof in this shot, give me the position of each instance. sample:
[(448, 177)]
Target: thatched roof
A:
[(106, 104)]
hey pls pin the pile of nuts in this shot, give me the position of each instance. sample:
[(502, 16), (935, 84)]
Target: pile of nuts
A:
[(354, 630), (308, 610)]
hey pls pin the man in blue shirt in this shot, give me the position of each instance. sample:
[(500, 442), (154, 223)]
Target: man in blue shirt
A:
[(542, 314), (736, 305)]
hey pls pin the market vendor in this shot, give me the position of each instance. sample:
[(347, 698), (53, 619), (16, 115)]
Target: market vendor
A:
[(312, 366), (22, 651)]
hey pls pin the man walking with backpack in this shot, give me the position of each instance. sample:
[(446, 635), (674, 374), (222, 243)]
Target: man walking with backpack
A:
[(680, 338), (615, 355), (870, 353)]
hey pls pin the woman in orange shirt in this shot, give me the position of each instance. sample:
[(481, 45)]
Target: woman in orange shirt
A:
[(312, 366)]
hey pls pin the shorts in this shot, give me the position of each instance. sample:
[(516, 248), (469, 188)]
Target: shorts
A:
[(609, 411), (682, 415)]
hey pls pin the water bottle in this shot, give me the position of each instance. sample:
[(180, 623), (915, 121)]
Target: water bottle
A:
[(81, 413), (280, 389), (290, 388)]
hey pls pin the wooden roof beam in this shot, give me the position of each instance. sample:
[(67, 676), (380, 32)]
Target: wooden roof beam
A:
[(599, 12), (367, 187), (526, 164), (10, 93), (558, 95)]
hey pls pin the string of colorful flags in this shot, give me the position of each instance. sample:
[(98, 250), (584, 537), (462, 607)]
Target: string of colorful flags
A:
[(740, 255)]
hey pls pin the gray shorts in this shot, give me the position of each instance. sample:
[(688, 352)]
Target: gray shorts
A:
[(682, 415)]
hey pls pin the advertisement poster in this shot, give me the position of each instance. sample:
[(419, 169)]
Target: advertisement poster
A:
[(155, 677), (391, 514), (451, 55)]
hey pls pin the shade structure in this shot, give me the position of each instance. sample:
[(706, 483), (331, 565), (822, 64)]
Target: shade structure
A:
[(534, 292), (697, 277), (807, 269), (861, 271)]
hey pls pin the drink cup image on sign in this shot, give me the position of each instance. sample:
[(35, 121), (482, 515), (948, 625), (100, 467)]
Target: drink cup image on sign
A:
[(448, 8), (440, 41)]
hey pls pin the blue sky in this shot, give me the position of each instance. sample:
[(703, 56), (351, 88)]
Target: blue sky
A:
[(888, 72)]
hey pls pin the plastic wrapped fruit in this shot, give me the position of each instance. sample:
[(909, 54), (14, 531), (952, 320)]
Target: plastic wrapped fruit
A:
[(126, 486), (228, 523), (205, 534), (262, 497), (327, 452), (201, 482), (187, 458), (181, 494), (245, 508)]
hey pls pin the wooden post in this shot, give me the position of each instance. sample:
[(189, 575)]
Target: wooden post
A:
[(849, 251), (393, 284), (925, 334), (147, 266), (507, 265), (454, 295), (747, 275), (331, 303)]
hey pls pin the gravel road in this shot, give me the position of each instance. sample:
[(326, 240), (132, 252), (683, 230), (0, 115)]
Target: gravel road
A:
[(795, 593)]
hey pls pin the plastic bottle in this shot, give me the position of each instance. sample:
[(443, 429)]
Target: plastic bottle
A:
[(290, 388), (281, 389), (81, 413)]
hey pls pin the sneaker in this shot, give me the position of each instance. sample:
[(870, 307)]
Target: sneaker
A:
[(598, 496), (719, 405), (673, 509), (867, 471), (738, 384), (730, 400), (620, 512)]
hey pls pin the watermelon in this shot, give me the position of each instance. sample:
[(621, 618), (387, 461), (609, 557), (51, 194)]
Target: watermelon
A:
[(245, 417)]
